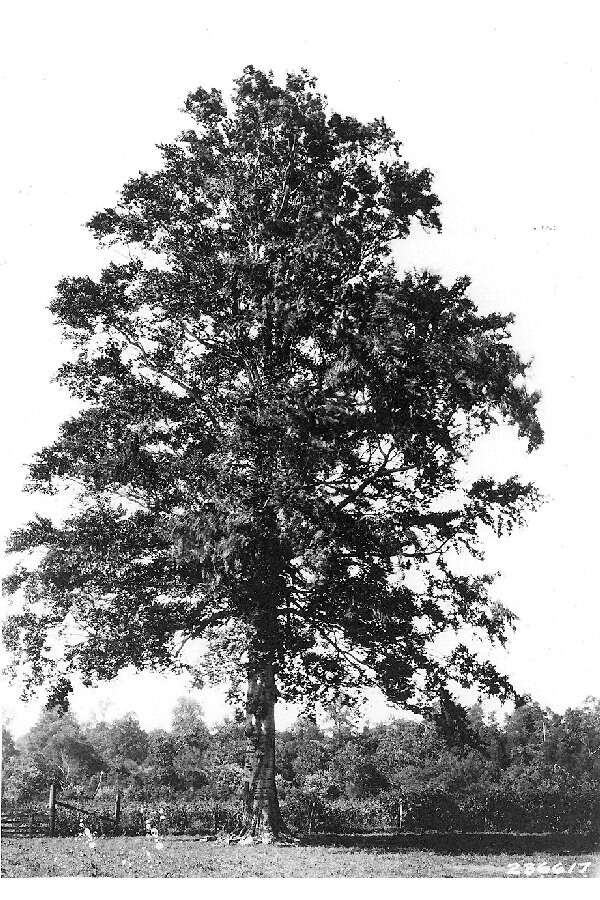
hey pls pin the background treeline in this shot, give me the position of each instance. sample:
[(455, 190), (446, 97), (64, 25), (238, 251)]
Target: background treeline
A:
[(536, 772)]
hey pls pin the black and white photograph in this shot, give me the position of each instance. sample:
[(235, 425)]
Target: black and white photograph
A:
[(300, 444)]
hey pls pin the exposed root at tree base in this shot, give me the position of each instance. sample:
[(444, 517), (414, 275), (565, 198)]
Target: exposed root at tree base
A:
[(249, 837)]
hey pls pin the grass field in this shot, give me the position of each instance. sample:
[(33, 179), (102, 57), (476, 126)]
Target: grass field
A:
[(173, 857)]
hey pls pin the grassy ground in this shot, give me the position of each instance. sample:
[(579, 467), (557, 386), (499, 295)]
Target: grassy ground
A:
[(172, 857)]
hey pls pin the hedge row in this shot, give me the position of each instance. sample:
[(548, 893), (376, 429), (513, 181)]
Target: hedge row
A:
[(500, 811)]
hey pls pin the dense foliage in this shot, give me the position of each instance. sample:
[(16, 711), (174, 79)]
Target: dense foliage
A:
[(275, 424), (539, 771)]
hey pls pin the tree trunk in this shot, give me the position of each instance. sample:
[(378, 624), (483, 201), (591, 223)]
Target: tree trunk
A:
[(262, 820)]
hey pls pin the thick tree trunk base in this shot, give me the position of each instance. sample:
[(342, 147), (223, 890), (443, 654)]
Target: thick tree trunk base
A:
[(248, 838), (262, 822), (261, 832), (245, 837)]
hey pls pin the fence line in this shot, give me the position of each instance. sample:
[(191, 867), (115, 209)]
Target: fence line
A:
[(53, 803), (26, 824)]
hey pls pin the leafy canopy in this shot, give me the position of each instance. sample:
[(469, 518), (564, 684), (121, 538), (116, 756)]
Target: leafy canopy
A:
[(274, 423)]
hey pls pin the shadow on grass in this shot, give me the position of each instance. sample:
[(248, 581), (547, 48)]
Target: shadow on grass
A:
[(455, 843)]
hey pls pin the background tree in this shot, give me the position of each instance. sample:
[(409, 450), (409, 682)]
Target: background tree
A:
[(191, 739), (54, 749), (576, 736), (160, 761), (224, 760), (9, 749), (58, 739), (271, 451), (10, 762), (123, 745)]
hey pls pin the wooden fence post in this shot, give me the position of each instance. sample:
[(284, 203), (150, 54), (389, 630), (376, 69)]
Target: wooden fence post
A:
[(52, 808), (117, 810)]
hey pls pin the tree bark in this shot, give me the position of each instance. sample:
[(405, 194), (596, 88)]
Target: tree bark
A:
[(261, 816)]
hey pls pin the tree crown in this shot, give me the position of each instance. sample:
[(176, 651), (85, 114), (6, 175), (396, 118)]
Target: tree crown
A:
[(274, 423)]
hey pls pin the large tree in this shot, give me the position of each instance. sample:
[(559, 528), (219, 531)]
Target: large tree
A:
[(275, 427)]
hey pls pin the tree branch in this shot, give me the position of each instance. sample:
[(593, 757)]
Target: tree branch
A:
[(182, 384)]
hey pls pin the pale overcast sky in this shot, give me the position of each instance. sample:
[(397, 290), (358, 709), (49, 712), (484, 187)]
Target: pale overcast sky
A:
[(499, 99)]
